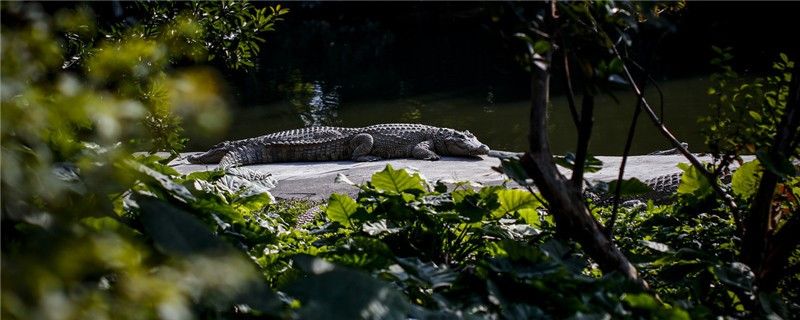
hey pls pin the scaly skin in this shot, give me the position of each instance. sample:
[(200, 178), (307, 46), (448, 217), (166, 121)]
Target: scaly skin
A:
[(383, 141)]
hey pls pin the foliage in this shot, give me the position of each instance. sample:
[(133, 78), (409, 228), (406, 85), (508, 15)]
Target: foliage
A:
[(132, 58), (418, 251), (91, 231), (71, 244), (746, 111), (228, 31)]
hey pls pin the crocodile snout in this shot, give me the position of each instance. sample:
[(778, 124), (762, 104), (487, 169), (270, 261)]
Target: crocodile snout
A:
[(483, 149)]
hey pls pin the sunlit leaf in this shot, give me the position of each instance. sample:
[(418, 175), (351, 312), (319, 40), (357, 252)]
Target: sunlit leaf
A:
[(745, 179), (693, 182), (657, 246), (513, 200), (397, 181), (340, 208)]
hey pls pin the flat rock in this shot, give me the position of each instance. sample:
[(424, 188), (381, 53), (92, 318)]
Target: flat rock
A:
[(315, 180)]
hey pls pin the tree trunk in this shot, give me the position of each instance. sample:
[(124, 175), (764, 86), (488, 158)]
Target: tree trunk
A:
[(573, 218), (765, 251)]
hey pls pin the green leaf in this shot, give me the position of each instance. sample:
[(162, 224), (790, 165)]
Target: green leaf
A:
[(340, 208), (630, 187), (657, 246), (592, 164), (397, 181), (513, 200), (433, 276), (642, 301), (615, 66), (541, 46), (173, 230), (693, 182), (777, 164), (755, 115), (736, 274), (334, 292), (176, 232), (530, 216), (746, 178), (512, 167), (163, 182)]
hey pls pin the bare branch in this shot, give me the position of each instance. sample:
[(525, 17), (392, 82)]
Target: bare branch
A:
[(677, 144), (621, 175), (584, 134)]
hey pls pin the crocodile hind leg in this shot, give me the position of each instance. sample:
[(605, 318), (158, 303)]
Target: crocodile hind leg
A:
[(424, 151), (362, 144)]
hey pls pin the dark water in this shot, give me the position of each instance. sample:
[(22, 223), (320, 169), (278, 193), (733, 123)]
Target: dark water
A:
[(455, 65), (501, 125)]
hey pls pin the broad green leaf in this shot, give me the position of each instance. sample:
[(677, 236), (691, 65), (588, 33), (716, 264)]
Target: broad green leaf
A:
[(163, 182), (513, 200), (174, 230), (530, 216), (629, 187), (592, 164), (340, 208), (514, 170), (397, 181), (433, 276), (746, 178), (334, 292), (693, 182), (777, 164)]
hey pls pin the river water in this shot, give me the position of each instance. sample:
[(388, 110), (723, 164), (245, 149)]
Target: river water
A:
[(502, 125)]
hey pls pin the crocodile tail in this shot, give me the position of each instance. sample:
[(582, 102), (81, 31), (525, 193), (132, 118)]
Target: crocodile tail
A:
[(243, 155), (211, 156)]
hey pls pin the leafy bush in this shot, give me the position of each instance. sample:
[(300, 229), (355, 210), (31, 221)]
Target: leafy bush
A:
[(403, 248)]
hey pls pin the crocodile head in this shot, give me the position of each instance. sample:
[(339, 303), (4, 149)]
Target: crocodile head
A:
[(459, 143)]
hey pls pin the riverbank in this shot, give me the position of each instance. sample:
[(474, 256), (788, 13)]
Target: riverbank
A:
[(316, 180)]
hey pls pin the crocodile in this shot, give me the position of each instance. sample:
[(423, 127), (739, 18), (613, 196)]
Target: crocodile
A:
[(381, 141)]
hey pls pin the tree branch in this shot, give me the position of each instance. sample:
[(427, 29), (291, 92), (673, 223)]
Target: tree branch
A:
[(572, 217), (570, 93), (759, 251), (621, 175), (584, 134)]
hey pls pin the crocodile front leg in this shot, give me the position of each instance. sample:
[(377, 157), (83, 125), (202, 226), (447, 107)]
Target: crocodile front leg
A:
[(363, 143), (424, 151)]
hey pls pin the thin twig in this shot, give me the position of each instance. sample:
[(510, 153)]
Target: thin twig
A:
[(570, 93), (677, 144), (625, 153)]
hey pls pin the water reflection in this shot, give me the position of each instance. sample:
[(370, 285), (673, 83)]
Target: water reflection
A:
[(316, 103)]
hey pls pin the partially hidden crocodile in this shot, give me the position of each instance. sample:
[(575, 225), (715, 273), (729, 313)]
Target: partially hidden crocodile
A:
[(382, 141)]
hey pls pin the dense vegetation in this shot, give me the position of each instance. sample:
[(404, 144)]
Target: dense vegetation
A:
[(91, 230)]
